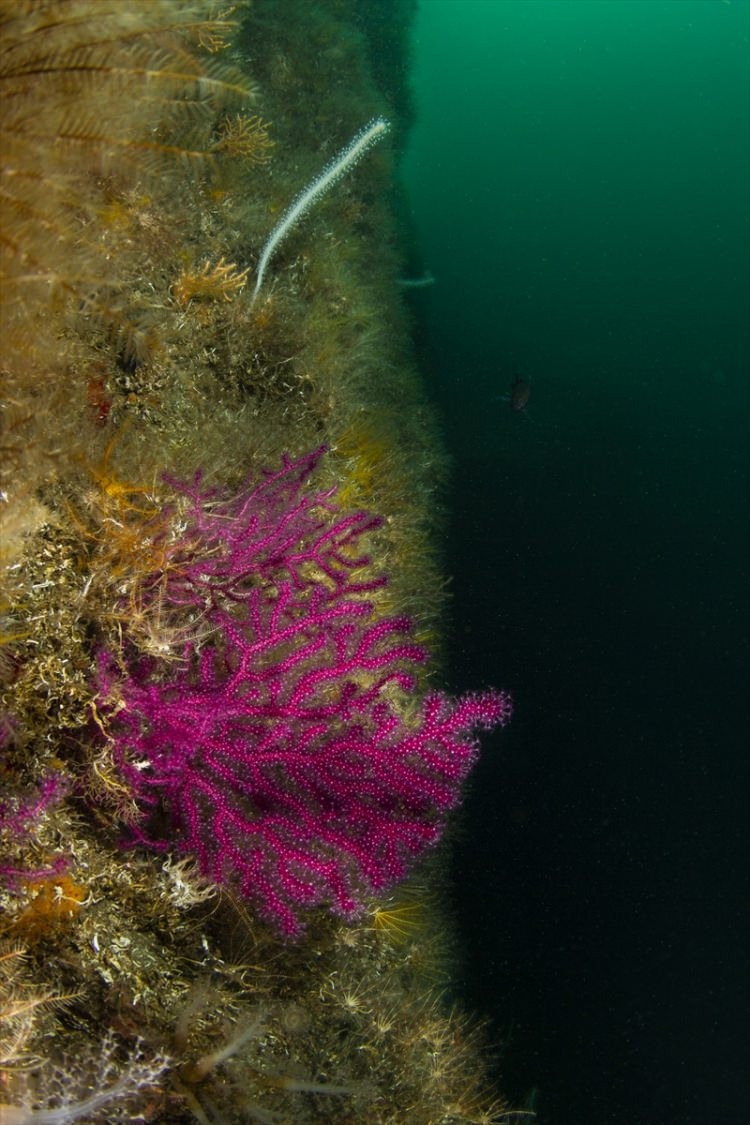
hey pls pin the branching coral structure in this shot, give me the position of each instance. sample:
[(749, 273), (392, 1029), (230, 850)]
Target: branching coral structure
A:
[(18, 817), (287, 754)]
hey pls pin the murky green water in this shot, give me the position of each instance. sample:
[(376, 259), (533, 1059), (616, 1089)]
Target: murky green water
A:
[(579, 178)]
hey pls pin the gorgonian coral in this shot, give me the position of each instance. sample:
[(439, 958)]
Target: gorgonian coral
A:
[(287, 753)]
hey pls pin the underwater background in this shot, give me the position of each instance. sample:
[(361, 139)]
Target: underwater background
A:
[(362, 361), (579, 185)]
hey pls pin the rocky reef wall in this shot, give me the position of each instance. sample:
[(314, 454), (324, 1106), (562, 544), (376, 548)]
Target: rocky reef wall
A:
[(187, 466)]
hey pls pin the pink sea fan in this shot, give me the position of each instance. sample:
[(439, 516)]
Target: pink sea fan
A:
[(286, 755), (20, 813)]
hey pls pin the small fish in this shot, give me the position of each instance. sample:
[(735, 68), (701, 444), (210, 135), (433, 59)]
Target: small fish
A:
[(422, 282), (519, 394), (518, 398)]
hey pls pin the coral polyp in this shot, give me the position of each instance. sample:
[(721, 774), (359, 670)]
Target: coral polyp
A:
[(220, 282)]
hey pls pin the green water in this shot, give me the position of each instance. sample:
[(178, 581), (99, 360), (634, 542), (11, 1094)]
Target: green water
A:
[(579, 177)]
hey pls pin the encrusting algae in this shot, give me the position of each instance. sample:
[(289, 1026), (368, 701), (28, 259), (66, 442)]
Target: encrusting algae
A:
[(185, 477)]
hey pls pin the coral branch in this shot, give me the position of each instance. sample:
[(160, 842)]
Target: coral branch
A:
[(282, 753), (19, 818)]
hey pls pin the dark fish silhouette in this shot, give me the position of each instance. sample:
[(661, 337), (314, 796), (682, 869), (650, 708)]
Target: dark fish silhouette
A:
[(519, 395)]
